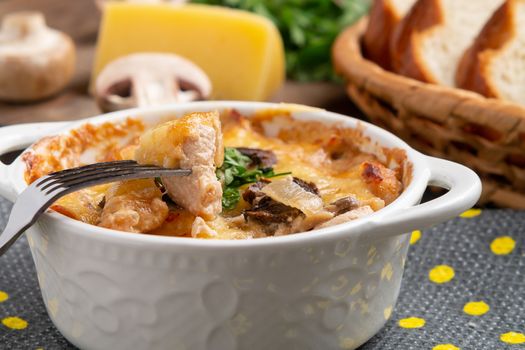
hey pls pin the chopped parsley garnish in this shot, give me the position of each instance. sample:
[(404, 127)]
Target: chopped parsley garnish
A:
[(236, 172), (230, 197)]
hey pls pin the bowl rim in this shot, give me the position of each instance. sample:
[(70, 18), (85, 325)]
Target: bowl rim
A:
[(409, 197)]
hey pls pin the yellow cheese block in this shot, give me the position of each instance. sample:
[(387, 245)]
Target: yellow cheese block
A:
[(241, 52)]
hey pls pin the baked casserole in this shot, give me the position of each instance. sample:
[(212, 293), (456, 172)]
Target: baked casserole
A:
[(252, 176)]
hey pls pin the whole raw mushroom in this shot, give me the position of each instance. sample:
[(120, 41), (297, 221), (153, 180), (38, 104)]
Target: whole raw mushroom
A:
[(146, 79), (35, 61)]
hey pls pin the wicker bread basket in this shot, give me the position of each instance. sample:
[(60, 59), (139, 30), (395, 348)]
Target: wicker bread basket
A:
[(487, 135)]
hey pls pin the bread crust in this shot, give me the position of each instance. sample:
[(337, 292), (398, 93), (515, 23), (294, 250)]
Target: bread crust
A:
[(419, 112), (376, 41), (404, 53), (473, 71)]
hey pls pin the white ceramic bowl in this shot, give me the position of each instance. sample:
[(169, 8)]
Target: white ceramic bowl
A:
[(327, 289)]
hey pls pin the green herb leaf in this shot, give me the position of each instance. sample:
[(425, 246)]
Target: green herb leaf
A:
[(230, 198), (235, 172)]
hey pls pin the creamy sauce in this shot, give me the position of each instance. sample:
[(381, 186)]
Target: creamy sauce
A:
[(328, 156), (306, 161)]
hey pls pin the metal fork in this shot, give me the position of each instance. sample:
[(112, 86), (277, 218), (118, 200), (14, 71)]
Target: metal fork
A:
[(46, 190)]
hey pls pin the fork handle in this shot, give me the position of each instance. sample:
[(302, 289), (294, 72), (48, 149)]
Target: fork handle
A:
[(12, 231), (17, 137)]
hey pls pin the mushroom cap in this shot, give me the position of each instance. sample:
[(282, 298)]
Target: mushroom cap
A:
[(145, 79), (35, 61)]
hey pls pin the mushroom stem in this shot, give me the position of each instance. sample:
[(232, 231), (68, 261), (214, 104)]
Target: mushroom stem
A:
[(150, 91)]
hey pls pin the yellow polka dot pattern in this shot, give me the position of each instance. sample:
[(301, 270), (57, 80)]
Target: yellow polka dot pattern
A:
[(471, 213), (411, 322), (14, 323), (441, 274), (445, 347), (476, 308), (502, 245), (513, 338), (416, 235)]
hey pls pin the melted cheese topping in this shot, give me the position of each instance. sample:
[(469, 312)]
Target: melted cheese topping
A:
[(331, 157), (307, 161)]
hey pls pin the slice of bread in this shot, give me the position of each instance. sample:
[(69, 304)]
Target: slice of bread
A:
[(384, 16), (429, 42), (494, 65)]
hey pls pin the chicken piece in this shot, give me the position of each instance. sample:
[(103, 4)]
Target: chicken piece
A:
[(200, 229), (346, 217), (200, 193), (381, 181), (134, 206), (191, 142)]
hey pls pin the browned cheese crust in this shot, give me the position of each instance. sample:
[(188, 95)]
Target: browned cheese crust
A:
[(342, 171), (60, 152)]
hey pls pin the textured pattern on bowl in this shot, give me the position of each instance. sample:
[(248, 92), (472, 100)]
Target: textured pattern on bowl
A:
[(328, 296)]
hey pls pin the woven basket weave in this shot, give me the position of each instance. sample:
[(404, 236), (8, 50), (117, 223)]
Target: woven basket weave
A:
[(486, 135)]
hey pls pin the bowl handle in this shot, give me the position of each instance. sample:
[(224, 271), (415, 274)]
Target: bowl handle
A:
[(464, 191), (17, 137)]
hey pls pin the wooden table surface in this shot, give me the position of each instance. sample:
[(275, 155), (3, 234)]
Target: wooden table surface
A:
[(80, 19)]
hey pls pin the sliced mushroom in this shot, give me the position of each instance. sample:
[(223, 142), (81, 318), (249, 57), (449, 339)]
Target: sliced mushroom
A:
[(268, 210), (342, 205), (35, 60), (146, 79), (253, 193), (260, 157), (277, 217)]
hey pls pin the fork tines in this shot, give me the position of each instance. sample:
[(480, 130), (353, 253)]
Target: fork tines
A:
[(42, 193), (102, 173)]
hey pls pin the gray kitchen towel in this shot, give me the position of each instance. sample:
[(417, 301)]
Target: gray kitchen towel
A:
[(463, 288)]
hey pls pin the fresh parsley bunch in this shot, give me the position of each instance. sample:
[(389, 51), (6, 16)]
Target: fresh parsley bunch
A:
[(308, 28), (236, 172)]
